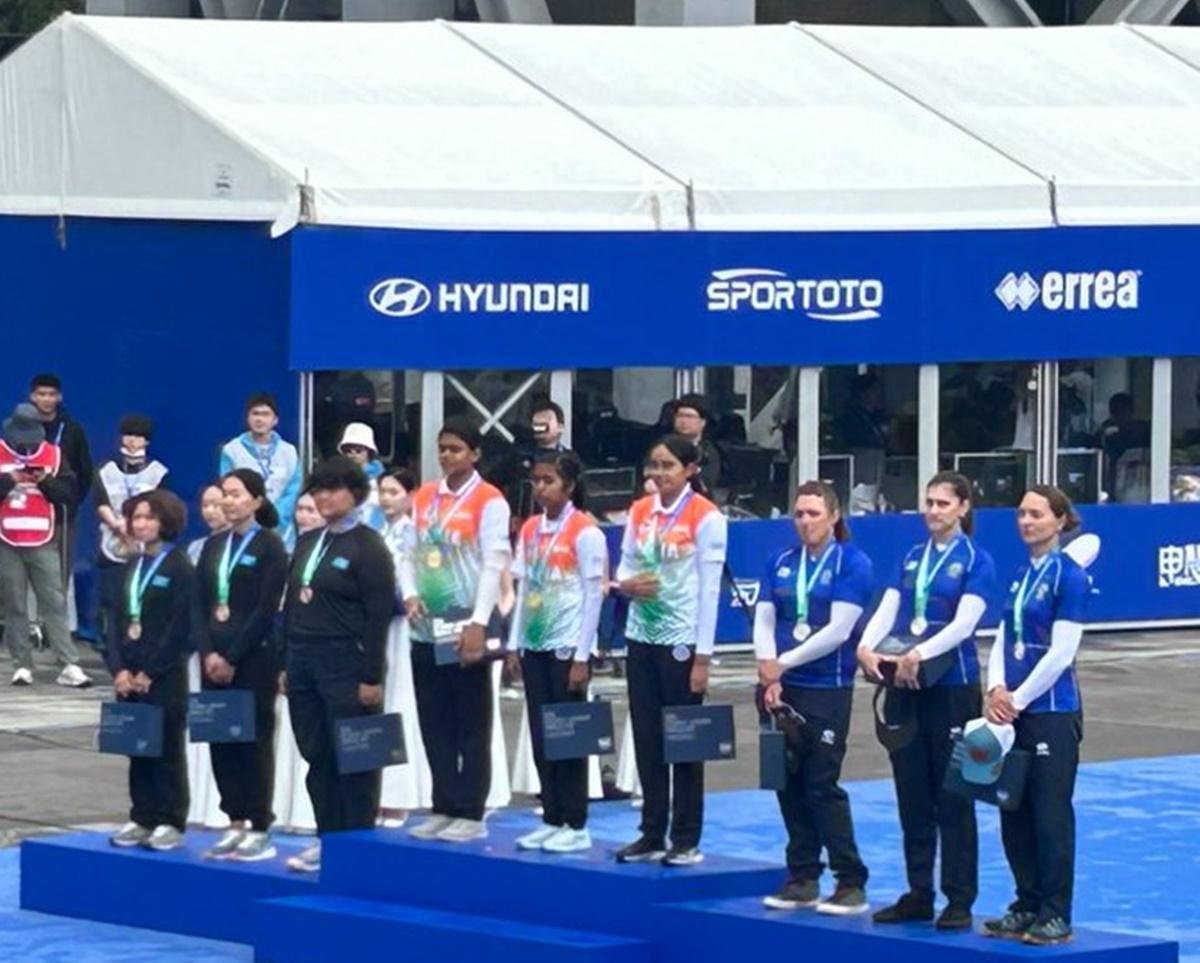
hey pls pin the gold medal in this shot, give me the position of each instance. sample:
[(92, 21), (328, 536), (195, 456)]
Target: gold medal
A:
[(135, 630), (433, 558), (222, 613), (306, 595), (534, 600)]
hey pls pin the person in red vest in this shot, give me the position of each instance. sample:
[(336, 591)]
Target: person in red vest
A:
[(34, 486)]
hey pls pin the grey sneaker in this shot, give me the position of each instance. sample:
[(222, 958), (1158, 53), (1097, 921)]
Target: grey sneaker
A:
[(130, 835), (683, 856), (1011, 926), (164, 839), (430, 826), (845, 901), (254, 848), (795, 894), (568, 840), (463, 831), (1048, 931), (535, 839), (22, 677), (223, 848), (307, 861)]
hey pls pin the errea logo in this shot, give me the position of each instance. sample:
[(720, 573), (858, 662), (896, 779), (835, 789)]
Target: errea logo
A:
[(1070, 290)]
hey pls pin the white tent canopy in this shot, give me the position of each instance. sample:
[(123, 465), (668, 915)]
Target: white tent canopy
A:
[(457, 126)]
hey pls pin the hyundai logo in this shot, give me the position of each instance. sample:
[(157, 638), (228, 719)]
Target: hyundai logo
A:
[(400, 297)]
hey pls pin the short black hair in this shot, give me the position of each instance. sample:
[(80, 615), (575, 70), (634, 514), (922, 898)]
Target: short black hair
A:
[(166, 506), (139, 425), (403, 476), (261, 399), (463, 428), (46, 379), (545, 404), (694, 401), (339, 472)]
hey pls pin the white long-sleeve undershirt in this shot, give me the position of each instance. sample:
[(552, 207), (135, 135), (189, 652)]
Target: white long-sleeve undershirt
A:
[(967, 615), (842, 618)]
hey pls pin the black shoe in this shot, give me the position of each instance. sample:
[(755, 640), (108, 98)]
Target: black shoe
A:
[(1047, 931), (954, 918), (794, 894), (683, 856), (1011, 926), (642, 851), (909, 908)]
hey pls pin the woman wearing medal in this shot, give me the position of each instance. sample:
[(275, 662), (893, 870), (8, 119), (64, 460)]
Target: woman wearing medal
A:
[(148, 665), (456, 552), (1032, 685), (937, 597), (805, 630), (672, 554), (561, 563), (239, 583), (340, 599)]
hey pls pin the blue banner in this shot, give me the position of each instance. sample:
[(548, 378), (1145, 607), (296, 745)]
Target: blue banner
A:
[(436, 300)]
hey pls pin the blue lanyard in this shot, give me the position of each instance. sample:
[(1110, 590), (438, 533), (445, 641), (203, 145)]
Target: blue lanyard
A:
[(139, 583), (264, 460)]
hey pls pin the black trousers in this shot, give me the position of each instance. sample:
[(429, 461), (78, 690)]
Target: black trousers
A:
[(927, 811), (815, 808), (658, 680), (454, 705), (158, 788), (1039, 837), (245, 771), (322, 686), (564, 783), (112, 583)]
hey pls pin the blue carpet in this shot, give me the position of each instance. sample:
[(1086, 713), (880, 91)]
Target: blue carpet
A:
[(1139, 822)]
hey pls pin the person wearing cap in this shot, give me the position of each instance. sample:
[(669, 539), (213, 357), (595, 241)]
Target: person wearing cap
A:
[(689, 418), (672, 556), (261, 449), (936, 599), (67, 434), (453, 559), (806, 627), (339, 603), (130, 473), (148, 664), (1033, 686), (358, 444), (35, 488)]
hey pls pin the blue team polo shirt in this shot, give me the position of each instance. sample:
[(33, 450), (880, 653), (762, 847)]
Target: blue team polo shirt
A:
[(846, 577)]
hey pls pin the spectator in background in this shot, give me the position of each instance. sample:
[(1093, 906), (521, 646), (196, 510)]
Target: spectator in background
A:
[(689, 417), (35, 488), (261, 449), (66, 434), (1120, 432), (358, 444), (863, 429), (548, 424), (120, 478)]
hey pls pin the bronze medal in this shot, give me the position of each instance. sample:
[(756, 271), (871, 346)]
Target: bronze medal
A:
[(306, 595), (222, 613), (135, 630)]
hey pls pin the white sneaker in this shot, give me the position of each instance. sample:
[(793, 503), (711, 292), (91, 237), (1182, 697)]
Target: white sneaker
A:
[(392, 822), (430, 826), (73, 677), (568, 840), (254, 848), (307, 861), (22, 677), (164, 839), (463, 831), (535, 839), (130, 835), (223, 848)]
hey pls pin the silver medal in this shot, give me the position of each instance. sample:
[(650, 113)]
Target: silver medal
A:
[(918, 625), (802, 631), (1019, 651)]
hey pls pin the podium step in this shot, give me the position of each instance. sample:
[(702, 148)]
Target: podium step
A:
[(586, 891), (318, 929), (82, 876), (719, 931)]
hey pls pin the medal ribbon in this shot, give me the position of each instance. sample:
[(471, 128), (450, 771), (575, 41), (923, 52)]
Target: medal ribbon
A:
[(434, 516), (540, 562), (660, 530), (228, 563), (804, 584), (925, 577), (320, 550), (264, 457), (139, 583), (1022, 598)]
